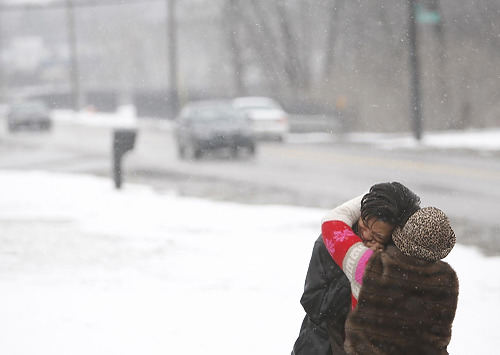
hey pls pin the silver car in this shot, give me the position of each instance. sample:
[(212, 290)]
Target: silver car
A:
[(269, 119), (31, 114)]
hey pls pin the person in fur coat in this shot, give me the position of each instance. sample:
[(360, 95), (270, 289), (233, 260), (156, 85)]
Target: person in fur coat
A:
[(327, 293), (404, 298)]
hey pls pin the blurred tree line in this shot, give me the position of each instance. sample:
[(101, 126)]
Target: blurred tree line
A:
[(343, 57), (352, 57)]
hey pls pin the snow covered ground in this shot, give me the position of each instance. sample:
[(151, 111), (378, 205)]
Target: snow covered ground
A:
[(482, 140), (86, 269)]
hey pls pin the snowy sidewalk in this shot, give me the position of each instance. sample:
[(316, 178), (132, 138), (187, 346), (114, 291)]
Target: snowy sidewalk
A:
[(483, 141), (486, 140), (87, 270)]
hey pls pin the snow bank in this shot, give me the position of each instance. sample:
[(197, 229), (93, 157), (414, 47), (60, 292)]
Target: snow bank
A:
[(473, 139), (124, 117), (86, 269)]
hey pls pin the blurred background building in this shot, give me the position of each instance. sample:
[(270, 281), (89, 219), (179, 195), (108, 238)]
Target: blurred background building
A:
[(334, 57)]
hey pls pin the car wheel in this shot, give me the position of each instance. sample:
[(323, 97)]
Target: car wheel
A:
[(251, 149), (181, 152), (197, 153), (191, 151), (12, 127), (234, 151)]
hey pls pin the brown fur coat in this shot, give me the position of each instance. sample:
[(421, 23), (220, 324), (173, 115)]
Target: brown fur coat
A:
[(406, 306)]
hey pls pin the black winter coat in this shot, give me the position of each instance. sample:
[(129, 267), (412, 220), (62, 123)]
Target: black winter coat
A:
[(327, 301)]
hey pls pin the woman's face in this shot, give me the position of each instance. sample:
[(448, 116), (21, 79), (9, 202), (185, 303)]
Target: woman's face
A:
[(374, 233)]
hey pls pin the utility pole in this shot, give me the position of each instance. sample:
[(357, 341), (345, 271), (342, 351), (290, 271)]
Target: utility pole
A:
[(234, 46), (2, 78), (173, 92), (415, 99), (74, 73)]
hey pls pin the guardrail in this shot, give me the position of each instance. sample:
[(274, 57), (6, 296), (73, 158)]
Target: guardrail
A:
[(314, 123)]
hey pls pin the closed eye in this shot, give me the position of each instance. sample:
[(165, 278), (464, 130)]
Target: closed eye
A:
[(380, 238)]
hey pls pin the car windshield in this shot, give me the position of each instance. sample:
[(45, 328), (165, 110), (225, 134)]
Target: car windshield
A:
[(256, 105), (216, 113), (27, 107)]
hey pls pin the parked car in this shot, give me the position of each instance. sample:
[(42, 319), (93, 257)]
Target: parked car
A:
[(269, 120), (33, 114), (211, 125)]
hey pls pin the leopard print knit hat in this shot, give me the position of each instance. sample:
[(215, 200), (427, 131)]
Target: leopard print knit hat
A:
[(426, 235)]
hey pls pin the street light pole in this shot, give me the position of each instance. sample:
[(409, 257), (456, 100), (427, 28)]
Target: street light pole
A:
[(415, 99), (173, 92), (73, 67), (2, 78)]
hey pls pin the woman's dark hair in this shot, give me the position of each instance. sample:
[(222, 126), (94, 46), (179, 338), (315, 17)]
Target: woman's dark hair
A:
[(390, 202)]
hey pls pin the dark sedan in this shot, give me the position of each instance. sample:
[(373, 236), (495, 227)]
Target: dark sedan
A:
[(31, 114), (212, 125)]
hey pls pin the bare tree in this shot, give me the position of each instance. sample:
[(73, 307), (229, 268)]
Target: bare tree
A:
[(293, 66), (262, 39), (231, 9), (332, 35)]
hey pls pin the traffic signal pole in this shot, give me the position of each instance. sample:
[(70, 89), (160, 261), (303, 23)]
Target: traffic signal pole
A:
[(414, 68)]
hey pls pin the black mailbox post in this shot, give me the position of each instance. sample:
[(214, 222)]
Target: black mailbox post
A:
[(123, 141)]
